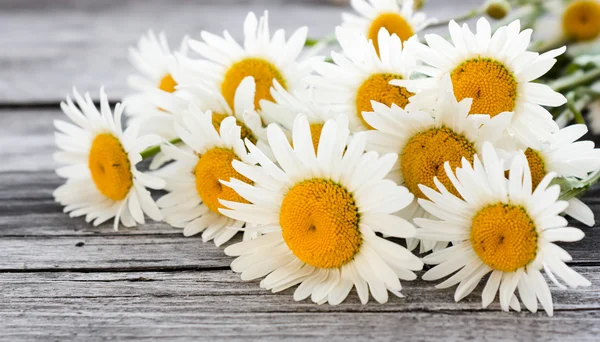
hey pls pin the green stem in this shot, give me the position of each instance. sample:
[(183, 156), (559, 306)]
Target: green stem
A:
[(573, 109), (469, 15), (516, 3), (575, 80), (576, 111), (314, 41), (152, 151)]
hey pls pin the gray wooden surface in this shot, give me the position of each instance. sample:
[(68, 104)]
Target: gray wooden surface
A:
[(62, 279)]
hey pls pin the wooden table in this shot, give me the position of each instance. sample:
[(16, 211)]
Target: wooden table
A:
[(62, 279)]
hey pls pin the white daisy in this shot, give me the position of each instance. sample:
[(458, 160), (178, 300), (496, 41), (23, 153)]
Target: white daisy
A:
[(360, 75), (566, 157), (497, 72), (505, 229), (263, 57), (432, 130), (159, 71), (396, 16), (319, 213), (209, 98), (286, 106), (102, 180), (576, 20), (194, 184)]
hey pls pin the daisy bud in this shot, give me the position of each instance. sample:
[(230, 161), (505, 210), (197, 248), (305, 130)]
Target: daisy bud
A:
[(497, 9), (418, 4)]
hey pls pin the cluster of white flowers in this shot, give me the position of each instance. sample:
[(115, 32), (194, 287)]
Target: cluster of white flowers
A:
[(321, 162)]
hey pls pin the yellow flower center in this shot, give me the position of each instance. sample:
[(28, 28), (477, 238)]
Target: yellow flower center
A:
[(424, 156), (489, 83), (263, 72), (110, 167), (217, 118), (315, 132), (378, 88), (167, 84), (319, 222), (393, 23), (214, 165), (536, 166), (581, 20), (504, 237)]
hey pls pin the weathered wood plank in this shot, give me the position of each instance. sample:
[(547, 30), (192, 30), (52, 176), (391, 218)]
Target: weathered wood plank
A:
[(216, 305), (104, 252), (162, 251), (26, 137), (46, 48)]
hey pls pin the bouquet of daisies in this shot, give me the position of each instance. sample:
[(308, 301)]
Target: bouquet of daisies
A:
[(354, 170)]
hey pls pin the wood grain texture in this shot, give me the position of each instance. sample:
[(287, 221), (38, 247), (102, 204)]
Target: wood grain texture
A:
[(49, 47), (216, 305), (62, 279)]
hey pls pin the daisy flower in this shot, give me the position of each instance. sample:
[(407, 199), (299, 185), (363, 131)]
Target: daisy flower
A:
[(263, 57), (396, 16), (568, 158), (360, 75), (288, 105), (432, 130), (102, 180), (158, 70), (496, 71), (577, 20), (209, 98), (214, 140), (506, 229), (319, 213)]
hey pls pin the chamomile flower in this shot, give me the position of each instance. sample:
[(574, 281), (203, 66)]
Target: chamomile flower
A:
[(209, 98), (496, 71), (360, 75), (194, 184), (568, 158), (158, 70), (102, 180), (574, 20), (500, 227), (396, 16), (288, 105), (262, 56), (433, 129), (319, 213)]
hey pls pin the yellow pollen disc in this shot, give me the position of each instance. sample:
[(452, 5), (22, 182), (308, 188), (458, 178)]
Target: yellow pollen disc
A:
[(110, 167), (504, 237), (424, 156), (581, 20), (215, 164), (393, 23), (489, 83), (167, 84), (378, 88), (536, 165), (315, 132), (263, 72), (319, 222), (217, 118)]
